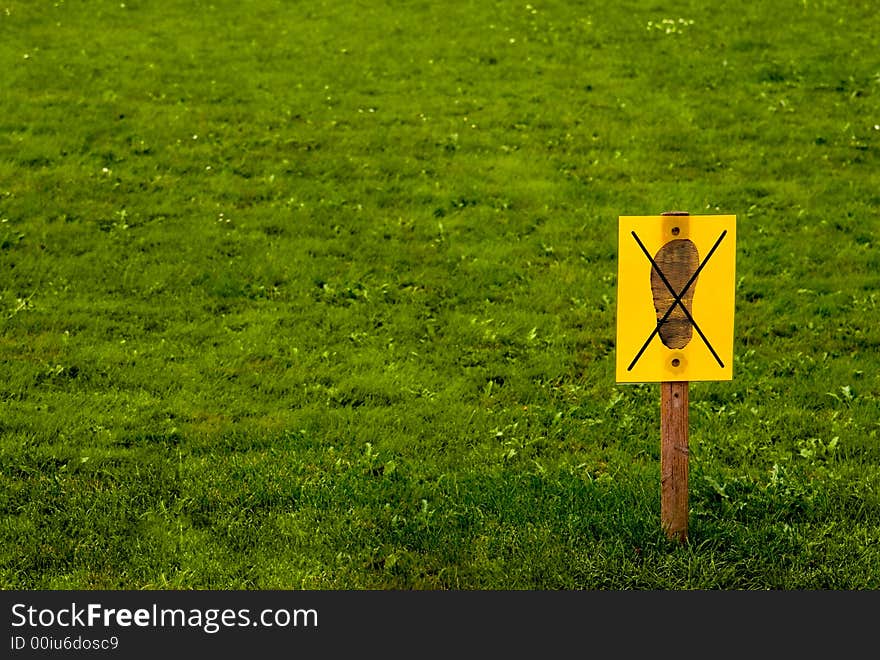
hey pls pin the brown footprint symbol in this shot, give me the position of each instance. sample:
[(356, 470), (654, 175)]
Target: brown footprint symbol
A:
[(677, 260)]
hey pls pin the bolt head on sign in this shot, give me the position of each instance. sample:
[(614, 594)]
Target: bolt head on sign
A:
[(675, 298)]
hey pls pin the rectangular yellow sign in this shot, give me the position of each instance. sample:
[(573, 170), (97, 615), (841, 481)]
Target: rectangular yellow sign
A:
[(675, 298)]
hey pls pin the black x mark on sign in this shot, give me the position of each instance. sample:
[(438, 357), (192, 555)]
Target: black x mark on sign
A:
[(677, 299)]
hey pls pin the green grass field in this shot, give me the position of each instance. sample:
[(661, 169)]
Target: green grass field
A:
[(322, 295)]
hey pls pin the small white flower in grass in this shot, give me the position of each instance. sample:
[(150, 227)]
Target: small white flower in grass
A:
[(670, 25)]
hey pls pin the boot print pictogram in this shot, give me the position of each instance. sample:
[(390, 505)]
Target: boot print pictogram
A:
[(677, 261)]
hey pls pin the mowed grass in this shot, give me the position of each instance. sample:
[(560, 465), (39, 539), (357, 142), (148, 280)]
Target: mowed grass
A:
[(323, 295)]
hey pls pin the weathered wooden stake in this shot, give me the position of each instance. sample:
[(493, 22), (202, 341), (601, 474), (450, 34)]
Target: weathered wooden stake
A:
[(674, 459), (674, 454)]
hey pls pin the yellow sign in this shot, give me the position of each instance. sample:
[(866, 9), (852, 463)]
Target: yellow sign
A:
[(675, 298)]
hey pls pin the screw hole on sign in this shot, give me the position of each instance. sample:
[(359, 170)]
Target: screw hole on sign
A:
[(676, 231), (676, 362)]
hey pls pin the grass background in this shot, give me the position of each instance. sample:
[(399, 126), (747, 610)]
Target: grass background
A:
[(322, 295)]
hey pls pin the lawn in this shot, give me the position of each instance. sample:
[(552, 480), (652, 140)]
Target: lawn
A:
[(323, 295)]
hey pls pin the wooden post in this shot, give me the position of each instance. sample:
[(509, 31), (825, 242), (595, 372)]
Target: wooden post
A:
[(674, 454), (674, 459)]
